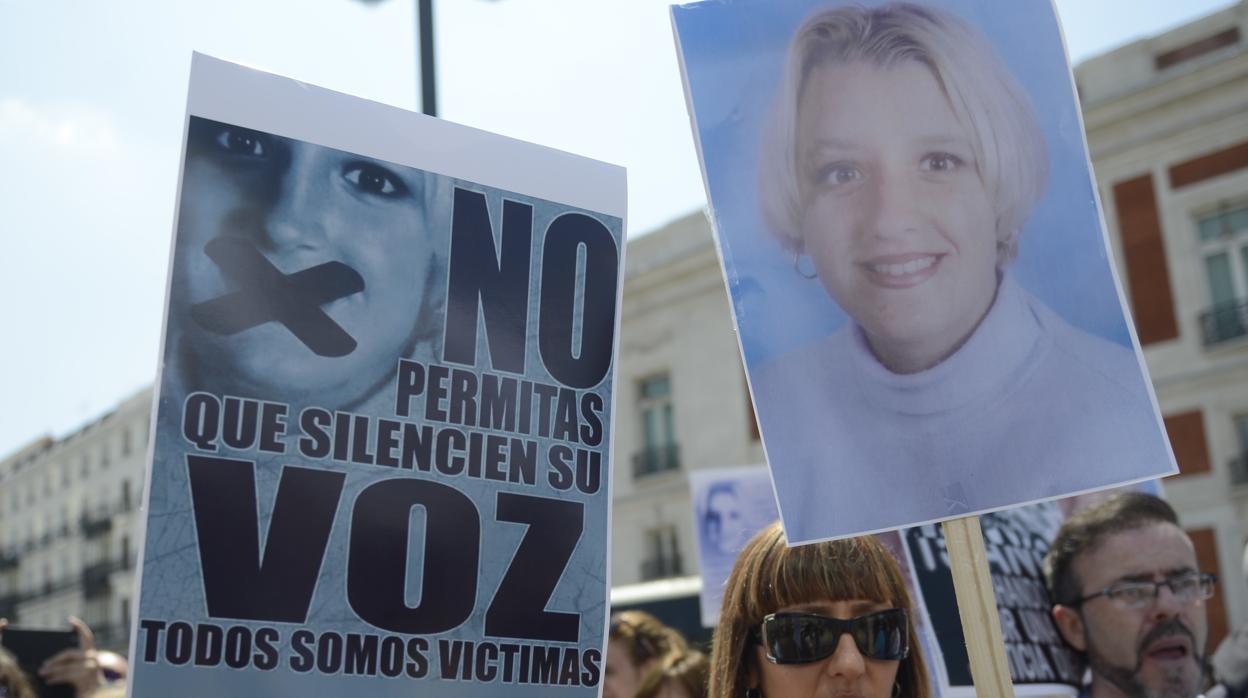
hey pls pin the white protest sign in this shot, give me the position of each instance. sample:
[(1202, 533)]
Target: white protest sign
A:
[(921, 283), (383, 422)]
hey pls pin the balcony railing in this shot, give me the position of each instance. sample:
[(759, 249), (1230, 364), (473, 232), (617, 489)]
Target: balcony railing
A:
[(95, 579), (656, 459), (1224, 321), (1239, 469), (96, 525), (661, 567)]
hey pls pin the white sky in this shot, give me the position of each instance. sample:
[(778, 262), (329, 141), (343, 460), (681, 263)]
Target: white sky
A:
[(92, 96)]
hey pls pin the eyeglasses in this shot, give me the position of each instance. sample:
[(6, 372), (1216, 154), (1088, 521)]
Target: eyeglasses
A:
[(1188, 588), (800, 638)]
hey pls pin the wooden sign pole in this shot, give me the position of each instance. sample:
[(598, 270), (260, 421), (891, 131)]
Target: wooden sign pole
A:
[(977, 604)]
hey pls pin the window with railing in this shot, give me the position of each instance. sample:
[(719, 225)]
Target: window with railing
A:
[(659, 452), (662, 554), (1239, 463), (1224, 250)]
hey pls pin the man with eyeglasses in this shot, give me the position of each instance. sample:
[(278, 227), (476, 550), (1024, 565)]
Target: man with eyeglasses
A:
[(1127, 594)]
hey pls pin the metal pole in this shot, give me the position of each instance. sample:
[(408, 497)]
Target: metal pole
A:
[(428, 81)]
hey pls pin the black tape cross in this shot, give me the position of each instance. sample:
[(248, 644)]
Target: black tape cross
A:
[(265, 294)]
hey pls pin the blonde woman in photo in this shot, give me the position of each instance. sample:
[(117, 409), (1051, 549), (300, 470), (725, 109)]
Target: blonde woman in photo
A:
[(899, 167)]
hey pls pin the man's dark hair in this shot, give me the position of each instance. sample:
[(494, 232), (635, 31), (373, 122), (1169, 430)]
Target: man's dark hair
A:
[(1085, 531)]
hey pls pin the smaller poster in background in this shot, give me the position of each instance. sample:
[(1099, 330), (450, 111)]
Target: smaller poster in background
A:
[(730, 506), (1016, 541)]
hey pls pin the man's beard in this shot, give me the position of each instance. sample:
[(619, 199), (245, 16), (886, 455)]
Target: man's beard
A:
[(1128, 679)]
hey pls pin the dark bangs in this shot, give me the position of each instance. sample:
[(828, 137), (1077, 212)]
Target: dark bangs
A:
[(841, 570)]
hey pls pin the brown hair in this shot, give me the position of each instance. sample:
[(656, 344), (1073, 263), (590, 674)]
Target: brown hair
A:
[(769, 575), (688, 669), (645, 636), (1085, 530)]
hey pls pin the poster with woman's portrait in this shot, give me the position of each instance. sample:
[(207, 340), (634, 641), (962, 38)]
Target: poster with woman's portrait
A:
[(381, 442), (730, 505), (924, 295)]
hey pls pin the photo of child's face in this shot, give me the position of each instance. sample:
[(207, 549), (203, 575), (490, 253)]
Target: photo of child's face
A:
[(320, 262), (897, 220)]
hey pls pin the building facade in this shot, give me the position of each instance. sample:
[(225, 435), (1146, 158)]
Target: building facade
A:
[(681, 398), (1167, 127), (70, 525)]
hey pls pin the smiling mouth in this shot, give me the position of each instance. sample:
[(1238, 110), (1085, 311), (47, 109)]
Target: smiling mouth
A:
[(901, 271)]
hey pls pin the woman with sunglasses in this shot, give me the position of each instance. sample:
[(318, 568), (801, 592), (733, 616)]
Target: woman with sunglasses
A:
[(831, 618)]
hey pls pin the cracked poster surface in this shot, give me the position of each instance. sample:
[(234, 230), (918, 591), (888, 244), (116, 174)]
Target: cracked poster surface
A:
[(382, 436)]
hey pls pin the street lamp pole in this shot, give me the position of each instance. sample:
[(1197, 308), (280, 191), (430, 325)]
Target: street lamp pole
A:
[(428, 81)]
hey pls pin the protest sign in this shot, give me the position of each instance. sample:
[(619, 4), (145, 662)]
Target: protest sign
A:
[(383, 425), (730, 506), (921, 285)]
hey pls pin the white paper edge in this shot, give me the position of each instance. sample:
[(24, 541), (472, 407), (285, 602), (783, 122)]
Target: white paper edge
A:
[(234, 94), (144, 506), (610, 470)]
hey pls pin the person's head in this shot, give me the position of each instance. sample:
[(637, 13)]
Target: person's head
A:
[(722, 519), (680, 674), (13, 681), (1127, 593), (636, 643), (903, 158), (855, 578), (302, 268)]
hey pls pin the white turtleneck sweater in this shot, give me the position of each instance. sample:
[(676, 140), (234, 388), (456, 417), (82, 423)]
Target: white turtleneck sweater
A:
[(1028, 408)]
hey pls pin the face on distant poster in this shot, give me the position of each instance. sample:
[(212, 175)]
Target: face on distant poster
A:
[(730, 506), (921, 284), (373, 470)]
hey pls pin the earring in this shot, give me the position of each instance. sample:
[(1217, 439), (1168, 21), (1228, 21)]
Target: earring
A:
[(897, 690), (753, 693), (797, 266)]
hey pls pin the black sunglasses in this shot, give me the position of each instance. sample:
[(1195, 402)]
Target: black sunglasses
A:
[(800, 638)]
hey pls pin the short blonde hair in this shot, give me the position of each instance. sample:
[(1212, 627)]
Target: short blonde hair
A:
[(1006, 138), (769, 575)]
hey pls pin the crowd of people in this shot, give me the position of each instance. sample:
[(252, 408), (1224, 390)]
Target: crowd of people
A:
[(836, 618)]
